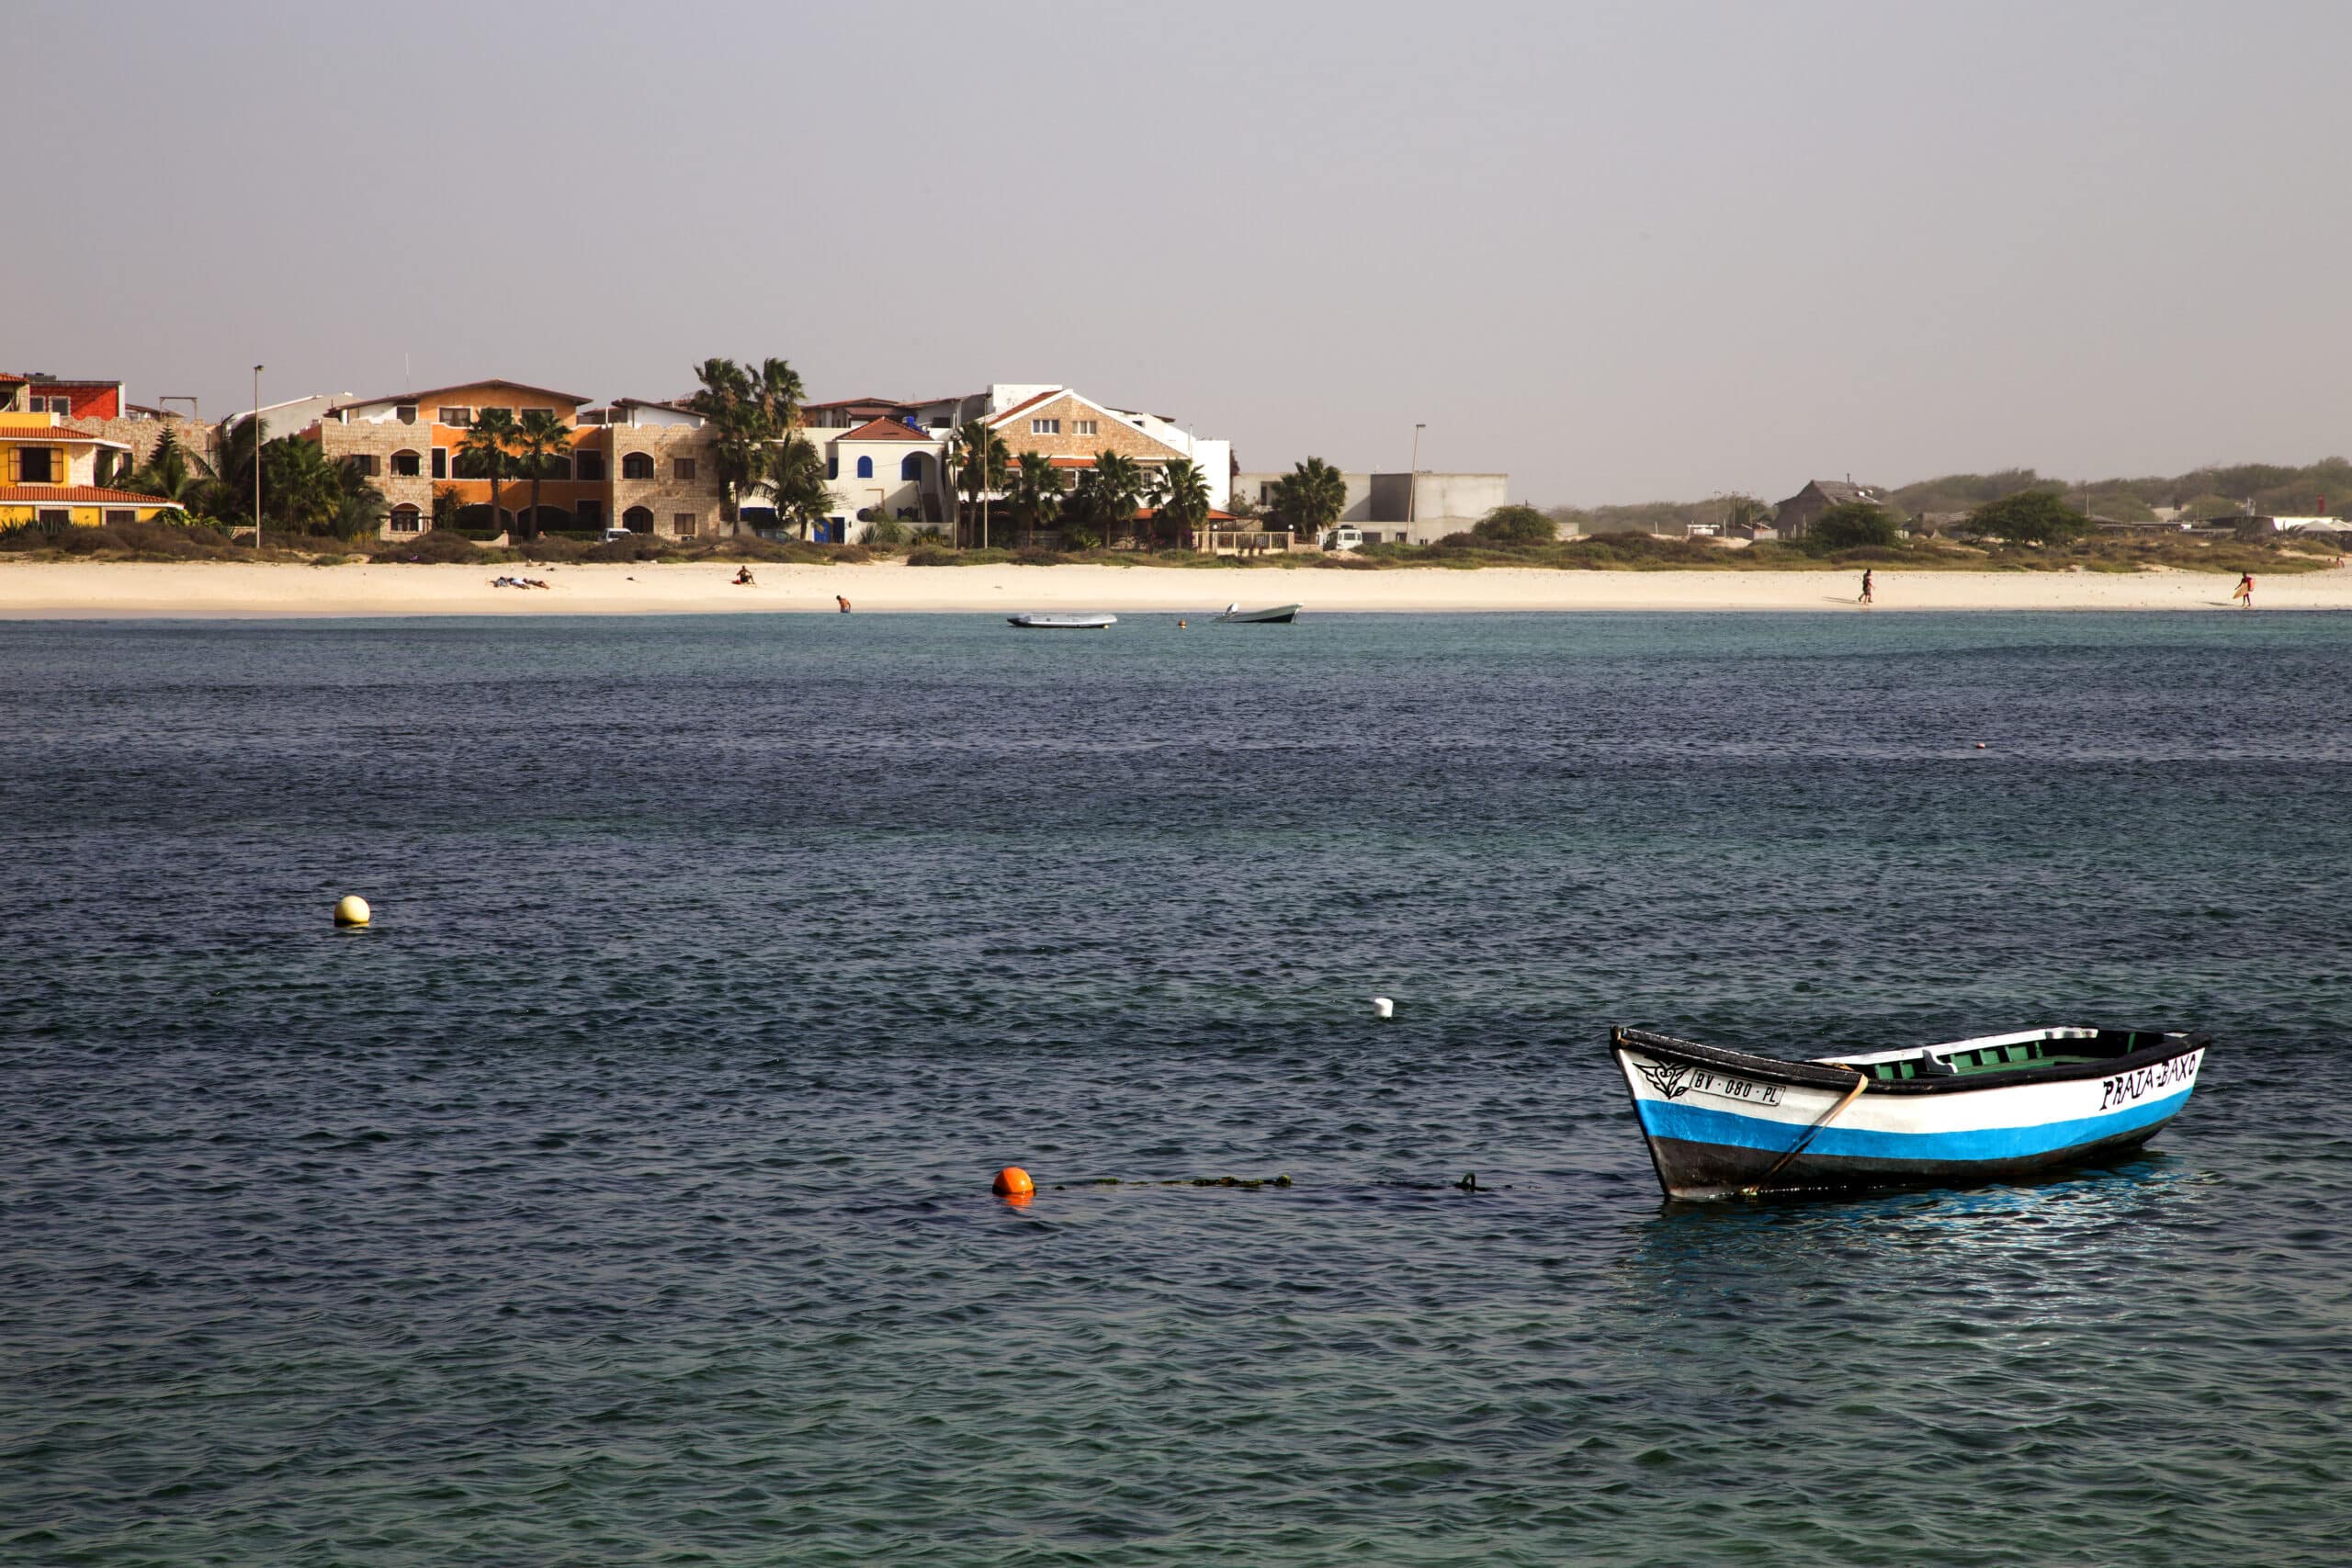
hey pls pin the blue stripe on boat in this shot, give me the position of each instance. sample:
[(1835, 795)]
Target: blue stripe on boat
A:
[(1697, 1124)]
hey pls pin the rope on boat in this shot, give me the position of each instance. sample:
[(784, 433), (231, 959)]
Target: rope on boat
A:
[(1861, 1081)]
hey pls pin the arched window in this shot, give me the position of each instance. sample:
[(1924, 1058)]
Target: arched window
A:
[(407, 520), (639, 519), (638, 465), (866, 467), (910, 465), (407, 464)]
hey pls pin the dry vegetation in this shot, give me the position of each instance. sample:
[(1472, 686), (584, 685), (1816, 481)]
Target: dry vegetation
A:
[(1605, 552)]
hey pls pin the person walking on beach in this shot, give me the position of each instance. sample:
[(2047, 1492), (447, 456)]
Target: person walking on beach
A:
[(2245, 593), (1866, 586)]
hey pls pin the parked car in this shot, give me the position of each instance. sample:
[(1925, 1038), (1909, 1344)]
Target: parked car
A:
[(612, 533), (1344, 539)]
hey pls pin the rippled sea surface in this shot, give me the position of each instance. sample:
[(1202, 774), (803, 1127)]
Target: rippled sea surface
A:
[(621, 1196)]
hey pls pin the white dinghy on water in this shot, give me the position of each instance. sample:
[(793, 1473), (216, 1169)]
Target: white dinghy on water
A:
[(1280, 615), (1064, 623), (1725, 1123)]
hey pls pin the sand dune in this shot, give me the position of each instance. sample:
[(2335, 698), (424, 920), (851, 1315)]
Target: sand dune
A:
[(207, 590)]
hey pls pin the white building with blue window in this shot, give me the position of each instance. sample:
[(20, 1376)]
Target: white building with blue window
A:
[(885, 459)]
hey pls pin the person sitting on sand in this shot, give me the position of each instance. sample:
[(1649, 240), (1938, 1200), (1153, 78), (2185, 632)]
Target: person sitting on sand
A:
[(2244, 593), (743, 577)]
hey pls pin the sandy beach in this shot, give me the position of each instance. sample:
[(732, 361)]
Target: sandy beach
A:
[(229, 589)]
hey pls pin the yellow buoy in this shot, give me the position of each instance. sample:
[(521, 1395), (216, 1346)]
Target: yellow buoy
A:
[(351, 910)]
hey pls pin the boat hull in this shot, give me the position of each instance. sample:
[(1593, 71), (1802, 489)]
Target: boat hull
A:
[(1723, 1123), (1281, 616), (1063, 623)]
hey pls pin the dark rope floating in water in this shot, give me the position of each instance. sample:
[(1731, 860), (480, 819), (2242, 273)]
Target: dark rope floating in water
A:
[(1250, 1182), (1469, 1183)]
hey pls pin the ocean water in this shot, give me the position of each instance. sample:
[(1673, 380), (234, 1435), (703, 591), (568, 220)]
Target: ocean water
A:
[(621, 1195)]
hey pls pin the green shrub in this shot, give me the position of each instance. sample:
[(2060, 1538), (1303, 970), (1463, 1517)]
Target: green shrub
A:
[(1848, 526), (1517, 525), (931, 555), (2028, 516)]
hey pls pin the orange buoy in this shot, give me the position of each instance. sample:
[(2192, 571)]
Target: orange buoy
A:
[(1014, 1183)]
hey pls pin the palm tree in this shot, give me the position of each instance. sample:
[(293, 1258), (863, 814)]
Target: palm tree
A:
[(983, 463), (794, 476), (539, 437), (484, 448), (1119, 487), (1181, 493), (304, 490), (748, 413), (1037, 493), (725, 385), (231, 494), (1310, 498), (359, 511), (779, 394), (172, 472)]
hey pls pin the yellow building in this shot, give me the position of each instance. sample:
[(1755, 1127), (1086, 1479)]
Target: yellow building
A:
[(51, 476)]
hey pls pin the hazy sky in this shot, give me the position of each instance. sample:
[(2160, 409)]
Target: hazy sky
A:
[(1623, 252)]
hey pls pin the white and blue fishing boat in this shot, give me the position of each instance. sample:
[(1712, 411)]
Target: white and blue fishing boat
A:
[(1064, 623), (1725, 1123)]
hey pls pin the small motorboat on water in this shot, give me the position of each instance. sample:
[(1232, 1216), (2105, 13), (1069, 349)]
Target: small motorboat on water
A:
[(1064, 623), (1281, 614), (1724, 1124)]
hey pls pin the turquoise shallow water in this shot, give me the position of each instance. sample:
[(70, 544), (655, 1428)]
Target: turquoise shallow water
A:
[(621, 1197)]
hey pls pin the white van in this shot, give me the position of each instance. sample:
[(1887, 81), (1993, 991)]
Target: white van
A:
[(1344, 539)]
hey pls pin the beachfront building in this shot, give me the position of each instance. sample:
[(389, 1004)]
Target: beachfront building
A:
[(99, 408), (639, 463), (54, 476), (39, 393), (890, 459), (1795, 515), (1399, 509)]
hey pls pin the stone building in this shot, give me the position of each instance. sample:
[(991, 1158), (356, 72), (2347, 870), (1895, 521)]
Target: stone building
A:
[(1795, 515), (638, 464)]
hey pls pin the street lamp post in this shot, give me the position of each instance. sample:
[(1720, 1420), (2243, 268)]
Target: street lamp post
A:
[(254, 418), (1413, 484)]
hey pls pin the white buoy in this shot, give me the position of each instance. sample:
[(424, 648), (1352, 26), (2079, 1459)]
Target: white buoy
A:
[(1382, 1007), (351, 910)]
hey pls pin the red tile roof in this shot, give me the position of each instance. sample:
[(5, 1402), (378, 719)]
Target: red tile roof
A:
[(81, 495), (883, 430), (55, 435)]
